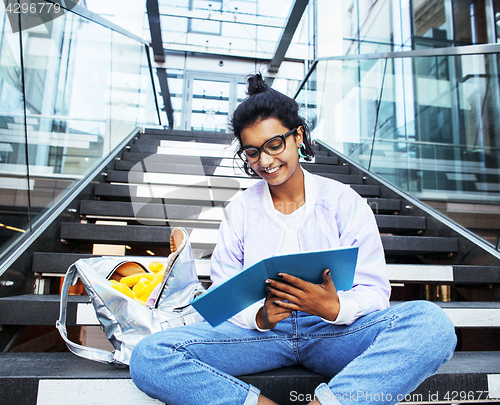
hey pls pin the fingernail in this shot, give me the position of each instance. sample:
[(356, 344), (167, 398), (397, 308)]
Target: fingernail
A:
[(268, 282), (268, 289), (328, 273), (280, 275), (276, 303)]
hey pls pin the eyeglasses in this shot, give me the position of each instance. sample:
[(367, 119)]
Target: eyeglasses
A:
[(272, 147)]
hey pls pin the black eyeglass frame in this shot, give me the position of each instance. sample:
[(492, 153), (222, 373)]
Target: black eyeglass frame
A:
[(241, 152)]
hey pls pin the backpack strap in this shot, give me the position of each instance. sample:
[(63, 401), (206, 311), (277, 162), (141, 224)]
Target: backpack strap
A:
[(86, 352)]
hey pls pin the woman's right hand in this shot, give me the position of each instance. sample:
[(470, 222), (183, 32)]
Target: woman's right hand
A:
[(270, 314)]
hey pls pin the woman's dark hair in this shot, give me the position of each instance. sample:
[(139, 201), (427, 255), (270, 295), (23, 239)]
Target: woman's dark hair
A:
[(262, 103)]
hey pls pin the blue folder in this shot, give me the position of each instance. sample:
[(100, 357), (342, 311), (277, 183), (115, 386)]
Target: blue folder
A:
[(247, 287)]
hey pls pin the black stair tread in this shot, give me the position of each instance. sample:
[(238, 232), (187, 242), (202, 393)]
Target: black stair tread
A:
[(58, 263), (153, 210), (200, 143), (55, 263), (152, 132), (161, 158), (400, 222), (476, 274), (138, 176), (329, 163), (159, 235), (143, 160), (131, 235), (67, 366), (32, 309), (152, 147), (178, 195), (384, 204), (100, 208), (366, 190), (192, 165), (168, 212), (465, 372), (327, 160), (418, 244), (196, 165), (201, 195), (351, 179), (325, 168), (156, 139)]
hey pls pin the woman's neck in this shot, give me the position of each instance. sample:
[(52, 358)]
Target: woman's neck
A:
[(291, 195)]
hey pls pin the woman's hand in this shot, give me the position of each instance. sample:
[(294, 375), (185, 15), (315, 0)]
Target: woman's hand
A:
[(315, 299), (270, 314)]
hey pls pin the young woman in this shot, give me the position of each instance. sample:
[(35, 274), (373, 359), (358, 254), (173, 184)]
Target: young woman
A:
[(373, 353)]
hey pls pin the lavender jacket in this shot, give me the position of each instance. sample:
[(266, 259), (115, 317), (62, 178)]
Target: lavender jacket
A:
[(335, 215)]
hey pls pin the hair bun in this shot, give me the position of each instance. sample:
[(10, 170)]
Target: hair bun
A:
[(256, 84)]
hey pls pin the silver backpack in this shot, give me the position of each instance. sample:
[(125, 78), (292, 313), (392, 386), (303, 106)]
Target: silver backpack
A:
[(125, 320)]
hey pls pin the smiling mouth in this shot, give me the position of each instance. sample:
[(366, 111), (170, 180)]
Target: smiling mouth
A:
[(272, 170)]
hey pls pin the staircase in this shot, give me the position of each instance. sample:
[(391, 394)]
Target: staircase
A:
[(164, 179)]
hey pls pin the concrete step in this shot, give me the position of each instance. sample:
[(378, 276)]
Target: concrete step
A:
[(56, 378)]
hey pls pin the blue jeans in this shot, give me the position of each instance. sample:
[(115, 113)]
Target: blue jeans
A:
[(388, 353)]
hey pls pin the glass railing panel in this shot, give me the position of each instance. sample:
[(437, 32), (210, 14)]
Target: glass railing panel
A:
[(87, 87), (308, 100), (428, 124), (67, 72), (125, 83), (14, 184), (148, 114), (342, 104)]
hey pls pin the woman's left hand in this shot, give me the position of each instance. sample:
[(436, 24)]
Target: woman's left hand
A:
[(315, 299)]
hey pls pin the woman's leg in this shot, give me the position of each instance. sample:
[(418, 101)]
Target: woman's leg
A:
[(194, 364), (382, 356)]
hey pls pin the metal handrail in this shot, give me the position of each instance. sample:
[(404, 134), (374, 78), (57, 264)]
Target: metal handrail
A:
[(453, 51), (89, 15)]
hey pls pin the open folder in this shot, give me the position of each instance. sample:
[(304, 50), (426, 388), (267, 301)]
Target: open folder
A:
[(247, 287)]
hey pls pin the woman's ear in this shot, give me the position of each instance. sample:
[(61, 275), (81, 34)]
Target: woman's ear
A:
[(300, 135)]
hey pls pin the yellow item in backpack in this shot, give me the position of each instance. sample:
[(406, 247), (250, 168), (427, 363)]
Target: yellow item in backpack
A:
[(123, 289)]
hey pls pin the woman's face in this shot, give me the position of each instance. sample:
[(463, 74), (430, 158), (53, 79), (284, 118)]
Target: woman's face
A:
[(277, 169)]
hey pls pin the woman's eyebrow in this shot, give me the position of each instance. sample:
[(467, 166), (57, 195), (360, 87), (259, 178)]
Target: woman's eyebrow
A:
[(257, 147)]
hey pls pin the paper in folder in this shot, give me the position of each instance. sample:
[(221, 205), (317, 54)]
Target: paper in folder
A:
[(247, 287)]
